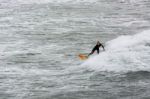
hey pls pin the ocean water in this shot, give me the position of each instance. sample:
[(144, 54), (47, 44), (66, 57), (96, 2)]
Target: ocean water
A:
[(40, 41)]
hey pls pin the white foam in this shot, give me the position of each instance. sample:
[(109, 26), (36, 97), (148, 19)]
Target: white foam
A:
[(21, 71), (125, 53)]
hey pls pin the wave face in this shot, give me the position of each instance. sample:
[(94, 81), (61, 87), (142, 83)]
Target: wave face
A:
[(125, 53)]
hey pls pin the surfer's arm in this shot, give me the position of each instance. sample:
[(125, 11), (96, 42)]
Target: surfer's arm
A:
[(103, 47)]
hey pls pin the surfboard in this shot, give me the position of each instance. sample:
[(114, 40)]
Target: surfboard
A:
[(83, 57)]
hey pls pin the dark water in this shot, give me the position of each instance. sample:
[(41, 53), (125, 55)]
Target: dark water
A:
[(40, 41)]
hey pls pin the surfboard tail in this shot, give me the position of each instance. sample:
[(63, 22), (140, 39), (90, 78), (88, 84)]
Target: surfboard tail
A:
[(83, 57)]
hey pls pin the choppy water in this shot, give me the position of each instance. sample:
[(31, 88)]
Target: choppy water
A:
[(40, 41)]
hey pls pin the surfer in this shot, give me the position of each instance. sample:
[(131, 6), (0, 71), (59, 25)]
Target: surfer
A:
[(97, 46)]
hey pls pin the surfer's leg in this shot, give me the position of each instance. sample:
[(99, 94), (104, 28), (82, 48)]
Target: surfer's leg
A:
[(98, 51), (92, 52)]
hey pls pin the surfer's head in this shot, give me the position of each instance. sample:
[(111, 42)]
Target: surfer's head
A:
[(98, 43)]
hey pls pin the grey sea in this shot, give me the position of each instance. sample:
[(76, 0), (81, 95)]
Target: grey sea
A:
[(40, 41)]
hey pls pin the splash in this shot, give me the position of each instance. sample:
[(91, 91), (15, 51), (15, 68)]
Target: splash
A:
[(125, 53)]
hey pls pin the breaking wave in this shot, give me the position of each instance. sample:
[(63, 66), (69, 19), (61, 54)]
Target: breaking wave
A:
[(125, 53)]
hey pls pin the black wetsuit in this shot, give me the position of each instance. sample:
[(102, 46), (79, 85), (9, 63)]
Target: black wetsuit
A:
[(96, 48)]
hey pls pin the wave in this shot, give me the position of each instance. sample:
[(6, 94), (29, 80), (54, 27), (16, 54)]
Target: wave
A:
[(125, 53), (138, 75), (132, 1), (54, 1)]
